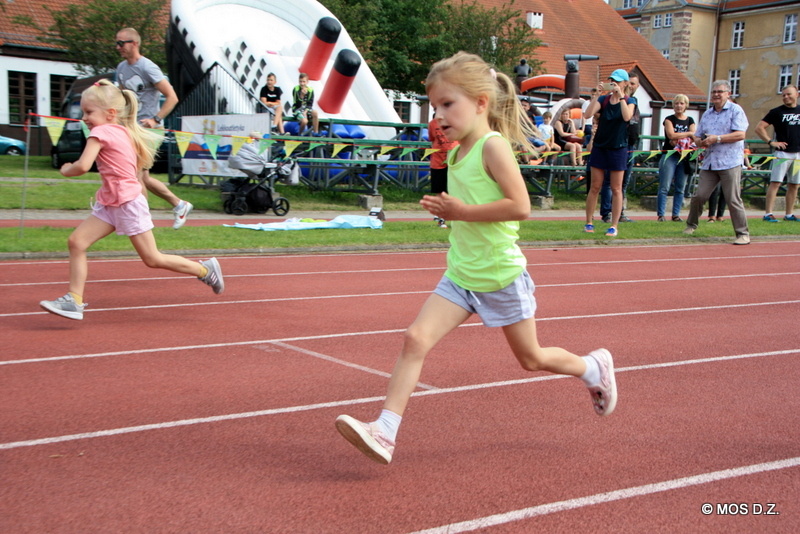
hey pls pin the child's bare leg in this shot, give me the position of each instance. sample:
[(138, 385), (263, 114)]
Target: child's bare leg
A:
[(437, 317), (524, 344), (145, 245), (89, 232)]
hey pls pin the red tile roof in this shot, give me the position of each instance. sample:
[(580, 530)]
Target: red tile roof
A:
[(593, 27)]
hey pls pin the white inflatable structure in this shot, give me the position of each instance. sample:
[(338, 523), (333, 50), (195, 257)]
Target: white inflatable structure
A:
[(252, 38)]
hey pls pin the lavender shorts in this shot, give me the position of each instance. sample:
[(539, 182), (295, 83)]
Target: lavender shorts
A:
[(131, 218), (510, 305)]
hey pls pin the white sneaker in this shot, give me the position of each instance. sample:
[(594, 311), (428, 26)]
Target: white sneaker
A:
[(367, 438), (742, 239), (604, 395), (181, 212)]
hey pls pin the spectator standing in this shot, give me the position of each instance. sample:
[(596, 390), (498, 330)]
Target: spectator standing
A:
[(634, 132), (438, 161), (785, 121), (271, 98), (721, 132), (143, 77), (521, 72), (672, 170), (303, 106), (609, 145)]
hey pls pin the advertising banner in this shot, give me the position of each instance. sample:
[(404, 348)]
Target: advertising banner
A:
[(212, 138)]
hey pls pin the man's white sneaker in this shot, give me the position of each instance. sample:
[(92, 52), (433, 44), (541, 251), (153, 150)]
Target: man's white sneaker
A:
[(367, 438), (604, 395), (181, 212)]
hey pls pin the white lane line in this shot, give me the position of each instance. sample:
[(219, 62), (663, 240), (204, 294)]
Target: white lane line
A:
[(617, 495), (396, 293), (352, 402), (345, 363), (378, 332)]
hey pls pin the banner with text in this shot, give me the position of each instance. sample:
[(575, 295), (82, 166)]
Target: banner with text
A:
[(215, 138)]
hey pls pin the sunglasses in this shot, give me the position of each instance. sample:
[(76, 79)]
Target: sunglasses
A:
[(122, 43)]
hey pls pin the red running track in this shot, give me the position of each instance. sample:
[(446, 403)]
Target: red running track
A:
[(170, 409)]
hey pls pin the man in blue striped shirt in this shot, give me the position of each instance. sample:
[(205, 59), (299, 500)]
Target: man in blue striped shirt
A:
[(721, 133)]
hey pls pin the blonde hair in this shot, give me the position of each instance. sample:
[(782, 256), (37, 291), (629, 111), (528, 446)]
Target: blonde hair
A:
[(475, 78), (680, 98), (106, 95), (133, 34)]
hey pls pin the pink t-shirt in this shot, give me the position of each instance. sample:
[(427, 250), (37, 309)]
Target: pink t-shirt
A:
[(117, 165)]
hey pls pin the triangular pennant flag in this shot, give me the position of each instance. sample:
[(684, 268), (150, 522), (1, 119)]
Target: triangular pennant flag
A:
[(85, 129), (212, 142), (754, 160), (359, 148), (669, 153), (768, 159), (385, 149), (406, 151), (548, 154), (238, 142), (54, 128), (159, 136), (337, 147), (183, 139), (290, 146), (263, 144), (312, 146), (695, 154), (429, 151), (796, 165), (684, 153)]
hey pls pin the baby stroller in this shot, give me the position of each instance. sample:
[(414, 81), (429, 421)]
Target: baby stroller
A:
[(256, 192)]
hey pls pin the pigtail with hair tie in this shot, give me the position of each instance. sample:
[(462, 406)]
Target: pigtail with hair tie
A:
[(493, 73)]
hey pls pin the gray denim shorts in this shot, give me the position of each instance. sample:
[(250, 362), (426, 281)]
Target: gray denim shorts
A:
[(512, 304)]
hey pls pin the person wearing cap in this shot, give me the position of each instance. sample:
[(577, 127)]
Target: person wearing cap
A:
[(610, 145), (721, 133)]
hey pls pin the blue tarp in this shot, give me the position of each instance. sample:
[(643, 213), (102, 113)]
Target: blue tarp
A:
[(342, 221)]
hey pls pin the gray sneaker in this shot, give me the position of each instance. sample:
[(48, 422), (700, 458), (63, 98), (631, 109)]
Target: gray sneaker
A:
[(65, 307), (213, 277)]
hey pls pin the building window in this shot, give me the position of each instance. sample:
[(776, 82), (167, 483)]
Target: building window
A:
[(784, 77), (639, 3), (790, 29), (627, 4), (21, 95), (667, 20), (657, 21), (738, 35), (403, 108), (59, 85), (734, 77), (665, 53)]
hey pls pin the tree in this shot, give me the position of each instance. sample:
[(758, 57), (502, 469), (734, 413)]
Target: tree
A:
[(499, 35), (401, 39), (87, 31)]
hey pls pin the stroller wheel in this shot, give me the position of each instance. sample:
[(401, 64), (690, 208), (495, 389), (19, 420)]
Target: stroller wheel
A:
[(280, 206), (227, 206), (239, 206)]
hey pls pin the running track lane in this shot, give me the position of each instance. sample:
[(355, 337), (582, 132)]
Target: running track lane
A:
[(218, 416)]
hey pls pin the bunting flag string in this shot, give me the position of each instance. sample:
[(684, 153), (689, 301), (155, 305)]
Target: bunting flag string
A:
[(55, 126)]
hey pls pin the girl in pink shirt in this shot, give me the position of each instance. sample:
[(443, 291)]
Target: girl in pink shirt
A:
[(121, 147)]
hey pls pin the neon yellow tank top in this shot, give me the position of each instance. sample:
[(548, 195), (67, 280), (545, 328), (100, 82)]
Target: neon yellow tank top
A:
[(483, 256)]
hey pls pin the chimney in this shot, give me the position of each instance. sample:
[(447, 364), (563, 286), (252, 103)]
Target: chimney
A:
[(535, 20)]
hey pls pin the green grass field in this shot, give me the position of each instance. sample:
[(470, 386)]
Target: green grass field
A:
[(47, 189)]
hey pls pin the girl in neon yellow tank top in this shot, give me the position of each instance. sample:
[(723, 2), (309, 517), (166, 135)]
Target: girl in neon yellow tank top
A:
[(486, 271)]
